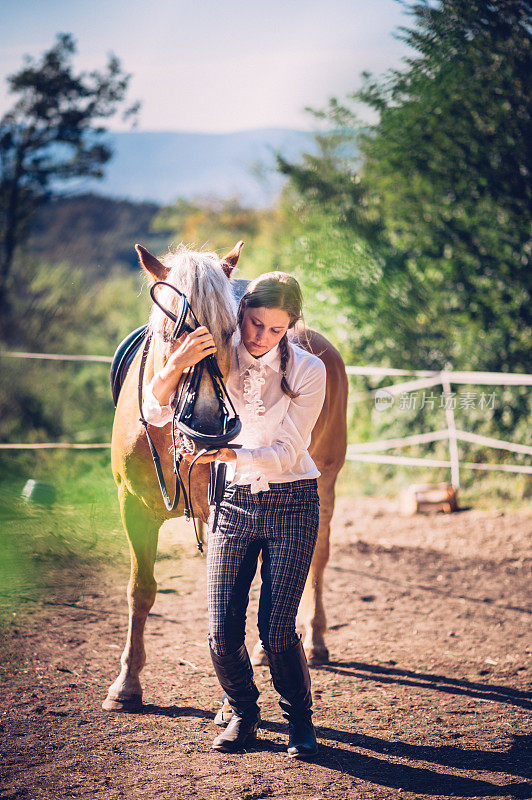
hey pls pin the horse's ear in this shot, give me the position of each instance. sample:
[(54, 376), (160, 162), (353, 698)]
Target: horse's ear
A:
[(152, 265), (230, 261)]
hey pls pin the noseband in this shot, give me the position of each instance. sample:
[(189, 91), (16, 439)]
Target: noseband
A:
[(183, 429)]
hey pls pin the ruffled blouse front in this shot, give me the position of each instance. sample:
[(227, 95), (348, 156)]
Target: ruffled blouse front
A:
[(252, 416), (276, 429)]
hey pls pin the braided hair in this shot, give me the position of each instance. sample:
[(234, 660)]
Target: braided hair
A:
[(284, 350), (276, 290)]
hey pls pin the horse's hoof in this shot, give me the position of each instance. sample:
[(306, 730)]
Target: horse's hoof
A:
[(131, 705), (317, 655)]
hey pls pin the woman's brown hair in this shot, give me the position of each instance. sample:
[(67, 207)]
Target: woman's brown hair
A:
[(276, 290)]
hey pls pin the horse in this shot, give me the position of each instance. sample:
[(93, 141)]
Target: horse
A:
[(205, 279)]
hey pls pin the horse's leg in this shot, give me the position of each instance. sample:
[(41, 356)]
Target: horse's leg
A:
[(142, 528), (259, 659), (200, 527), (311, 609)]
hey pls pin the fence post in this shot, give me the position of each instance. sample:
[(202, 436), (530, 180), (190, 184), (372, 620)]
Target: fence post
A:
[(451, 430)]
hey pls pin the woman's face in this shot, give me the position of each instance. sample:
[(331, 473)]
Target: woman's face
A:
[(262, 328)]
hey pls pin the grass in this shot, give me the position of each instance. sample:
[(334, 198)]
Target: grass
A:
[(82, 529)]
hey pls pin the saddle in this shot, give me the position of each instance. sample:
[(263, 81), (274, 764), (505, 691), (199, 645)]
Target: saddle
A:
[(123, 358)]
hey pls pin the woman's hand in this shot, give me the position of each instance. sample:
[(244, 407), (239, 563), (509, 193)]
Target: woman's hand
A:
[(206, 459), (191, 348), (225, 454)]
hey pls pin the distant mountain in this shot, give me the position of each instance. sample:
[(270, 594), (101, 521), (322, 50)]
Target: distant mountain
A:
[(159, 167)]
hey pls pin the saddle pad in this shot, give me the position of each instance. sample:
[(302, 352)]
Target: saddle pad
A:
[(124, 355)]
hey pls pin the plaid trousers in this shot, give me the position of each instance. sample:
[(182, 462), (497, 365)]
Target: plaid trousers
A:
[(282, 524)]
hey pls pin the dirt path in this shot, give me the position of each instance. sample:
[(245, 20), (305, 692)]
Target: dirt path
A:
[(425, 695)]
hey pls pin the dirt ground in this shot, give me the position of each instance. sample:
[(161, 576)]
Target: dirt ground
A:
[(426, 694)]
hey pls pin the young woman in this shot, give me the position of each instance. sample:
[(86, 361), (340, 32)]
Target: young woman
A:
[(271, 504)]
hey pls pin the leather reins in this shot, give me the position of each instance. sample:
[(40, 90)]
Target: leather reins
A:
[(183, 418)]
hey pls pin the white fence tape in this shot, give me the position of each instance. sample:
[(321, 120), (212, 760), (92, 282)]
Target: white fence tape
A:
[(432, 462), (54, 446), (477, 378), (474, 438), (55, 356), (435, 436), (388, 444)]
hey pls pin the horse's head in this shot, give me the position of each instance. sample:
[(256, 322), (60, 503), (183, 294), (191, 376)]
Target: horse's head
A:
[(204, 278)]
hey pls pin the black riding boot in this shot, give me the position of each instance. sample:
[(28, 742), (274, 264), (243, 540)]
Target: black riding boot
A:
[(235, 673), (291, 678)]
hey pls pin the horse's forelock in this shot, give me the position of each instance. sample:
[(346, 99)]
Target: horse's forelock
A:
[(199, 275)]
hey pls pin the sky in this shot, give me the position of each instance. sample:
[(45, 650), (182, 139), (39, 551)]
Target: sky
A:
[(214, 66)]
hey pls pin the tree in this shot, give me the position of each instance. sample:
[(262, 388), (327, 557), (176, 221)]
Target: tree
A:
[(51, 135), (451, 170), (441, 188), (213, 224), (340, 249)]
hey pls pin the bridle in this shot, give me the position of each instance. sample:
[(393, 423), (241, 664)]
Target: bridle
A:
[(183, 419)]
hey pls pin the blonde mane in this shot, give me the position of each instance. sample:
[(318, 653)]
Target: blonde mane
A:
[(199, 275)]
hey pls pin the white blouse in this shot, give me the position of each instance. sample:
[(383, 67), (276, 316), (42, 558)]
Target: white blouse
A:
[(276, 429)]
